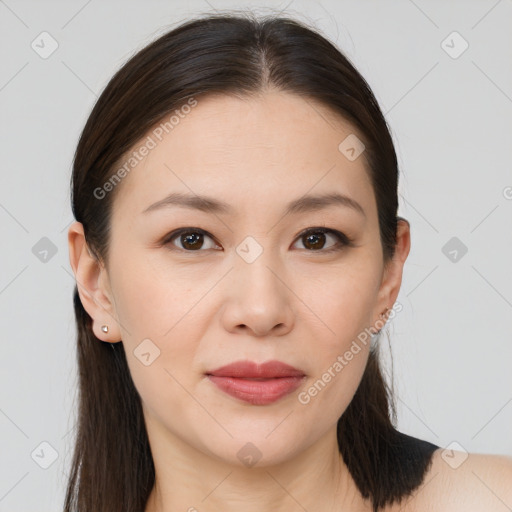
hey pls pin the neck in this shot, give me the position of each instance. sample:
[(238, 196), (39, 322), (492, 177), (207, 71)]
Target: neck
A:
[(189, 480)]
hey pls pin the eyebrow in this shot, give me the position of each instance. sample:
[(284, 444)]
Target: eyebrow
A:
[(303, 204)]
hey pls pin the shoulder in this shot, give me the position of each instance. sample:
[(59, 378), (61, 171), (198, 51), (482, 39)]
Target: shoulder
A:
[(463, 482)]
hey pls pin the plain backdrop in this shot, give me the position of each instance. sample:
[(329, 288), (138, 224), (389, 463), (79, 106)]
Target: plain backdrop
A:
[(441, 72)]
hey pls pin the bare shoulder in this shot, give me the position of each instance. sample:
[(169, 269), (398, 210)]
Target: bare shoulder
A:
[(463, 482)]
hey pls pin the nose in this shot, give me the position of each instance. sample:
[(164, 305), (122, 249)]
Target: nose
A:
[(257, 299)]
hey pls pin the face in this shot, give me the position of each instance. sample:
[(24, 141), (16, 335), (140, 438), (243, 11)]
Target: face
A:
[(194, 290)]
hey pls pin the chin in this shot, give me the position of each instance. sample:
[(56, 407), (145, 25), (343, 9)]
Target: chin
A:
[(256, 449)]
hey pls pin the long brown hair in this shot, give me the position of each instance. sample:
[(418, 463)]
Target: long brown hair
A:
[(112, 467)]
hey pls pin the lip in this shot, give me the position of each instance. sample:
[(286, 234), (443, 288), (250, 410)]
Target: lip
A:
[(257, 384)]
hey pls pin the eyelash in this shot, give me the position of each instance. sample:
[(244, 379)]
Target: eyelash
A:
[(343, 240)]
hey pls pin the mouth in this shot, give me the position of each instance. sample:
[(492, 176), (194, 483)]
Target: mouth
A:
[(257, 384)]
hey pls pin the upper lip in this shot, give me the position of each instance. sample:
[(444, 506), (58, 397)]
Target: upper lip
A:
[(252, 370)]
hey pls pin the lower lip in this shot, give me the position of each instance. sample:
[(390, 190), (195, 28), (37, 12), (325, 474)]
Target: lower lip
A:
[(257, 392)]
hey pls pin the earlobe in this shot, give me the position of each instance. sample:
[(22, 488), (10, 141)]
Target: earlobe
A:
[(89, 276)]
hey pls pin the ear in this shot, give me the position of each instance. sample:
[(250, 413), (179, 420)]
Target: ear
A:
[(93, 285), (392, 275)]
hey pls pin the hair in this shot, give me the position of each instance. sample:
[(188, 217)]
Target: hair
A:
[(241, 55)]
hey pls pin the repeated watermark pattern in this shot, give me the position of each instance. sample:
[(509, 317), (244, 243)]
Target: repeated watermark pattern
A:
[(143, 150), (451, 50), (343, 360)]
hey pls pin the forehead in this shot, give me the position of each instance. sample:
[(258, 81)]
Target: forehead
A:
[(249, 152)]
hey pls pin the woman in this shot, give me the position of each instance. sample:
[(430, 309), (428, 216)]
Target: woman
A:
[(237, 250)]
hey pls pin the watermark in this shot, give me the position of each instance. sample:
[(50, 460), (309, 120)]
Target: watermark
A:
[(249, 455), (352, 147), (44, 454), (454, 455), (249, 249), (44, 250), (146, 352), (454, 249), (44, 45), (143, 150), (454, 45), (305, 396)]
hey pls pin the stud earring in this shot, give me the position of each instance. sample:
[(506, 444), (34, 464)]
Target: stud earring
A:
[(104, 328), (383, 314)]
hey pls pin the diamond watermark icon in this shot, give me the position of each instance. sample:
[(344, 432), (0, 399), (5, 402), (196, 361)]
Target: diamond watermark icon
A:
[(351, 147), (44, 45), (454, 45), (454, 455), (146, 352), (249, 249), (44, 250), (249, 455), (454, 249), (44, 455)]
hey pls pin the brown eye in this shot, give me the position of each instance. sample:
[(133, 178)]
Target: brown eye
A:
[(315, 240), (191, 239)]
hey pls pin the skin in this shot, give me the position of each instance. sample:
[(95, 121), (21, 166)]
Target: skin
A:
[(208, 307)]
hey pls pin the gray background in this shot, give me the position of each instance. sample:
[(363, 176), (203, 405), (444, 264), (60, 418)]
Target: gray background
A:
[(450, 116)]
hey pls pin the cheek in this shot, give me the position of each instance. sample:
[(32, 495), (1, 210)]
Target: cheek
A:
[(160, 327), (345, 307), (155, 301), (339, 363), (343, 304), (329, 392)]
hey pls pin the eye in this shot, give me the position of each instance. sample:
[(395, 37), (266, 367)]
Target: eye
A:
[(191, 239), (314, 239)]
